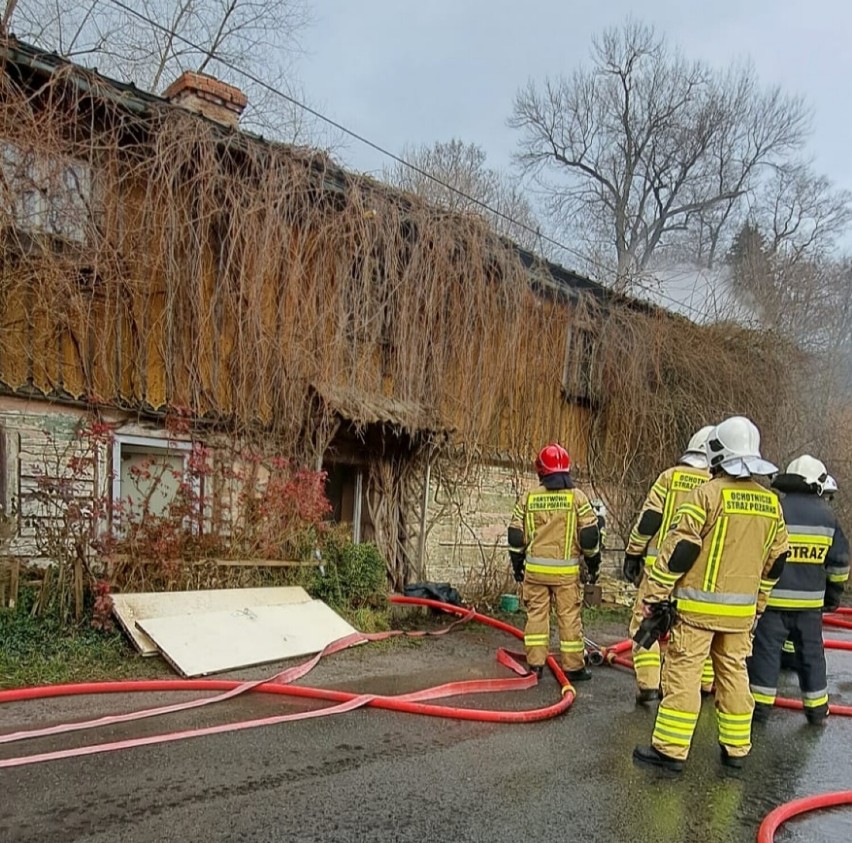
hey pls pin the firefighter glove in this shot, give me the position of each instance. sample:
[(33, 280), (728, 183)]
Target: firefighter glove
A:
[(632, 569), (593, 566), (518, 569), (833, 592), (659, 621)]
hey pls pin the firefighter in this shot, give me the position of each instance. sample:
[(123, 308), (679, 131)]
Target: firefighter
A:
[(655, 518), (724, 552), (788, 651), (813, 581), (551, 530)]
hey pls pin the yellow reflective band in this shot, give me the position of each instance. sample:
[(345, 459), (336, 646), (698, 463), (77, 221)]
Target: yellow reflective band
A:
[(728, 610), (636, 537), (662, 577), (552, 569), (569, 533), (665, 736), (717, 544), (791, 603), (534, 640), (765, 699), (734, 718), (815, 703), (518, 512), (668, 513), (838, 577), (646, 661), (804, 538), (660, 489), (693, 510), (788, 647), (730, 740), (768, 585), (770, 536), (585, 508), (677, 716), (571, 646)]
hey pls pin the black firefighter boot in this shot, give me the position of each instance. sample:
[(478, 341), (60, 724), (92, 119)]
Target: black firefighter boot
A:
[(817, 716), (735, 762), (581, 675), (648, 696), (761, 712), (655, 758)]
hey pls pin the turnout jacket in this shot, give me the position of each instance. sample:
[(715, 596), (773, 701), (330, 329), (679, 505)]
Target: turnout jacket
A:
[(657, 513), (552, 528), (723, 554), (818, 565)]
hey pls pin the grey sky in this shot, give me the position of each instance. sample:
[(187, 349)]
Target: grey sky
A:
[(417, 72)]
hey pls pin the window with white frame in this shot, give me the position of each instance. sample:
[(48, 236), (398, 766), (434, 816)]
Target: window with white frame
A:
[(49, 194), (147, 472)]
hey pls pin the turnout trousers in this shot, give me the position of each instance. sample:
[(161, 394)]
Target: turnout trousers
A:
[(647, 664), (804, 630), (564, 592), (677, 715)]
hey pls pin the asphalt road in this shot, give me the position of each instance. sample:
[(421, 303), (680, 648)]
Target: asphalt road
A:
[(379, 776)]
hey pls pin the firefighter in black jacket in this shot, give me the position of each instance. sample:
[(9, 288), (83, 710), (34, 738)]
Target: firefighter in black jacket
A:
[(812, 581)]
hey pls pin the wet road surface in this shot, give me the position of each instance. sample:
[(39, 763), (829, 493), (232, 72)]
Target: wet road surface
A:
[(380, 776)]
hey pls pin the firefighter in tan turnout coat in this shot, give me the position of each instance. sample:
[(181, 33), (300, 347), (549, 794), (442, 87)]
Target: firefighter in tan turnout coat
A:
[(655, 518), (552, 530), (724, 553)]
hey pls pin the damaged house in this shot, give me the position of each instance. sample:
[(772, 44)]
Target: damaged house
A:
[(159, 262)]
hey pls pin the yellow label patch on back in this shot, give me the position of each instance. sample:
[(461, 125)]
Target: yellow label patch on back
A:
[(808, 553), (550, 503), (685, 482), (736, 502)]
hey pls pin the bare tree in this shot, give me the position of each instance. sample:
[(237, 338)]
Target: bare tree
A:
[(638, 149), (152, 41), (463, 166)]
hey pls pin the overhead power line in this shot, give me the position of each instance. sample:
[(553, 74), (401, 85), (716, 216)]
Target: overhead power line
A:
[(386, 152)]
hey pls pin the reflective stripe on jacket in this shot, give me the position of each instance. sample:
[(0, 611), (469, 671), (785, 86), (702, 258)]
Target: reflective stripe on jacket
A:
[(739, 529), (819, 552), (551, 522), (665, 496)]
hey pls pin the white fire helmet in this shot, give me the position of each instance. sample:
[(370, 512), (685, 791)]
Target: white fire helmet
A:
[(830, 485), (734, 447), (695, 454), (811, 470)]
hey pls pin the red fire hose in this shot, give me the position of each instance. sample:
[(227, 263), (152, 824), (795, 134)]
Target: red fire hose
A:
[(773, 820), (346, 701)]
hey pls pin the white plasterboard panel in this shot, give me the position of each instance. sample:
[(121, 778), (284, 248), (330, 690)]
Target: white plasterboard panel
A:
[(200, 644), (129, 608)]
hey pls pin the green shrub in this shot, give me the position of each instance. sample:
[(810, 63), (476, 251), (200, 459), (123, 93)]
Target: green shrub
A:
[(355, 576)]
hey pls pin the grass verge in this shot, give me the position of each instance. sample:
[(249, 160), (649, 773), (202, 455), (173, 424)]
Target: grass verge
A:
[(39, 652)]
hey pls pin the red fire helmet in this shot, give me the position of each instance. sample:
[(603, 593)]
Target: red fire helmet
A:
[(552, 459)]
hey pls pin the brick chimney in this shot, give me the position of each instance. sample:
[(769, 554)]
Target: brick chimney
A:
[(208, 96)]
